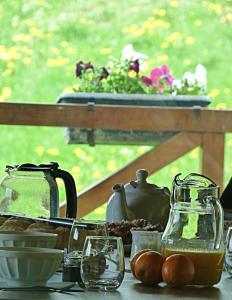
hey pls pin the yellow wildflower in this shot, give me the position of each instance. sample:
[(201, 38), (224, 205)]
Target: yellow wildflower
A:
[(106, 51), (174, 170), (75, 169), (142, 149), (35, 32), (64, 44), (229, 143), (189, 40), (59, 182), (163, 58), (27, 50), (39, 150), (29, 22), (198, 23), (194, 153), (99, 210), (79, 187), (55, 51), (174, 4), (221, 105), (164, 45), (69, 50), (79, 152), (89, 158), (21, 38), (215, 7), (214, 93), (26, 60), (7, 72), (57, 62), (6, 92), (68, 89), (53, 151), (86, 21), (187, 62), (96, 174)]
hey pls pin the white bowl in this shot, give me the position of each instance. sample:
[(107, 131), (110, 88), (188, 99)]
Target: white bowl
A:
[(28, 266), (27, 239)]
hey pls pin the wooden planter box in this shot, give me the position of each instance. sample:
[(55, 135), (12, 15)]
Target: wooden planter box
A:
[(119, 137)]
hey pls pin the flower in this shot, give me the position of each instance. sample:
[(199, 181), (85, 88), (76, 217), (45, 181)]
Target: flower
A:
[(80, 66), (124, 75), (159, 77), (128, 53), (134, 66), (191, 83)]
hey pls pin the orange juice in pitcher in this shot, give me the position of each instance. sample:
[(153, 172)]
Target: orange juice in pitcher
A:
[(208, 265), (195, 227)]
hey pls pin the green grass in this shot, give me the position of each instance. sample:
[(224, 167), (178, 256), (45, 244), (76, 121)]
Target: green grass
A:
[(41, 41)]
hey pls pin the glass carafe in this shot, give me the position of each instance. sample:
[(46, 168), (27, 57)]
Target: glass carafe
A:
[(195, 226)]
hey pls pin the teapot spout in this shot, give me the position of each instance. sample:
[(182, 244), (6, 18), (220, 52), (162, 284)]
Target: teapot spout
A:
[(117, 209)]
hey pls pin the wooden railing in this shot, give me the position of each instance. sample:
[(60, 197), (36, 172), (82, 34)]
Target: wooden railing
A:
[(194, 127)]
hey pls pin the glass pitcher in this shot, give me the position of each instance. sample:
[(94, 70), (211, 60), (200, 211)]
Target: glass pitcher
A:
[(195, 226), (32, 190)]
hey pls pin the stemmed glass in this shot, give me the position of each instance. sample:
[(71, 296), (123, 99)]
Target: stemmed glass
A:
[(72, 257), (102, 263), (228, 255)]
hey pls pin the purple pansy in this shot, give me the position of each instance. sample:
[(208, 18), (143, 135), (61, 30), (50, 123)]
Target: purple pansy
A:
[(104, 73), (135, 66), (146, 80), (158, 77), (79, 68)]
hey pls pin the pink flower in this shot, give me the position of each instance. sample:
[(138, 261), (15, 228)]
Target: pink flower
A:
[(158, 78)]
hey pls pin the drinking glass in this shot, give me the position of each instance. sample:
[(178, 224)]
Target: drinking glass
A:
[(102, 263), (228, 255), (72, 257)]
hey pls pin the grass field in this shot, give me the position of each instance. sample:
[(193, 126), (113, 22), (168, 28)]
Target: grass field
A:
[(41, 41)]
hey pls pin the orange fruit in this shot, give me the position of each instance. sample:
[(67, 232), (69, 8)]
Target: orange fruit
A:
[(135, 257), (178, 270), (148, 267)]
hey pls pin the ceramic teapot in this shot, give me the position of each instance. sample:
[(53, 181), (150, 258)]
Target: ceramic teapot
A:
[(32, 190), (139, 200)]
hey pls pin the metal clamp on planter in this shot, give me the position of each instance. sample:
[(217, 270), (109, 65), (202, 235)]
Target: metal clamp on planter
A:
[(90, 131)]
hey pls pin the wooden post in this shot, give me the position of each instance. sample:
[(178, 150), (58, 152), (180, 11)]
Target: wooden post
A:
[(213, 157)]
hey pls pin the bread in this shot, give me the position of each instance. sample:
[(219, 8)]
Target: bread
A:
[(27, 224), (15, 224)]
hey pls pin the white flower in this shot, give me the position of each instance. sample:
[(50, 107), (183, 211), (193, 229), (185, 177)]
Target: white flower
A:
[(177, 84), (189, 78), (201, 75), (128, 53)]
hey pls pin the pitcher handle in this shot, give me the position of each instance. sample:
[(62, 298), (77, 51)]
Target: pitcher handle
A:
[(220, 225), (70, 190)]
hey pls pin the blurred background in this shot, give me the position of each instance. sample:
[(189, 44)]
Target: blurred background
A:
[(40, 42)]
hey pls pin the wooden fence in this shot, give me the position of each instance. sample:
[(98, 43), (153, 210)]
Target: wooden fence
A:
[(194, 127)]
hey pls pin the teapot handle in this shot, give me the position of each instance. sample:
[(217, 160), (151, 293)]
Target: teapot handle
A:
[(70, 190)]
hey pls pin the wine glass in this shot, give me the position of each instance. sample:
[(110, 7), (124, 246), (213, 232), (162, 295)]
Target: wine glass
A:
[(102, 263), (72, 257)]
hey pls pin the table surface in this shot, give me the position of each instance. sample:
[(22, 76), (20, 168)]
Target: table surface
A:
[(131, 289)]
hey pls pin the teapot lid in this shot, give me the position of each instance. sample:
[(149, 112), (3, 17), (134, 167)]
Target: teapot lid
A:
[(32, 167)]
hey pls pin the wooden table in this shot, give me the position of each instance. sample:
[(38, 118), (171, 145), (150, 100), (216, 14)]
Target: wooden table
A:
[(132, 289)]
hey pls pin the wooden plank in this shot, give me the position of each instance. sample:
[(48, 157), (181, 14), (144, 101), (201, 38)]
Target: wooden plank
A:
[(152, 161), (213, 157), (117, 117)]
